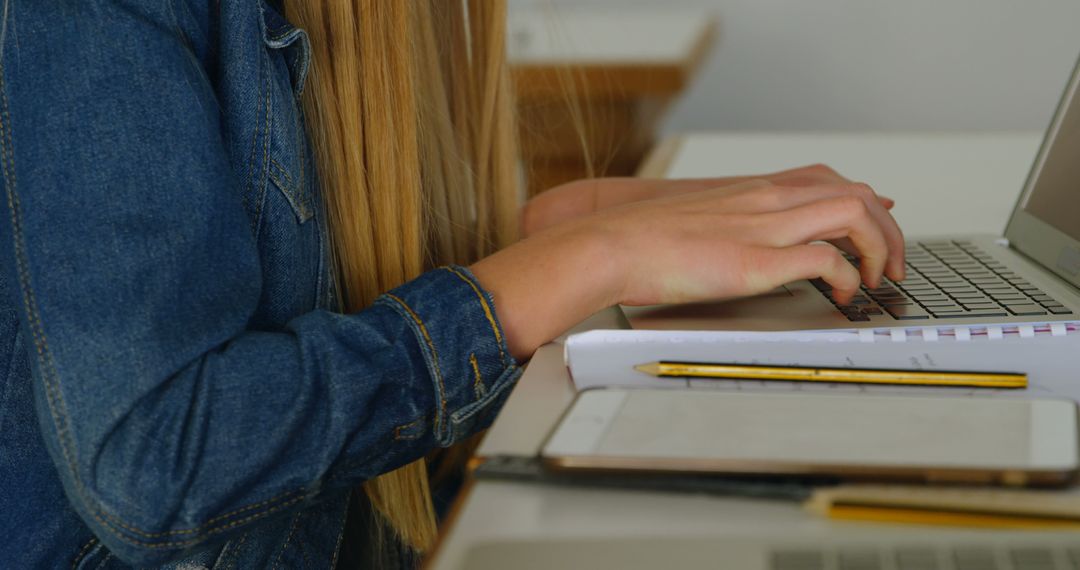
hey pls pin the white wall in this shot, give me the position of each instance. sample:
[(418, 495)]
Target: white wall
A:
[(876, 64)]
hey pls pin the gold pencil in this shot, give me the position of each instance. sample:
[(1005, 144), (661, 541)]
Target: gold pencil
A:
[(819, 374)]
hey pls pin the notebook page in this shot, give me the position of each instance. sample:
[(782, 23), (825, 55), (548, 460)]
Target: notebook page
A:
[(1051, 361)]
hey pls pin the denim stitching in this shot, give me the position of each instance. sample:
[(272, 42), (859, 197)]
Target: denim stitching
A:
[(300, 144), (295, 204), (478, 383), (108, 555), (264, 168), (341, 530), (431, 346), (403, 427), (296, 66), (235, 553), (82, 552), (282, 170), (207, 523), (506, 380), (304, 556), (209, 532), (487, 311), (245, 196), (288, 539), (293, 192)]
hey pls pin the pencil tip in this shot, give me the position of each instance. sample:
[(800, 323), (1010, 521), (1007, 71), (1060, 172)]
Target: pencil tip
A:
[(652, 368)]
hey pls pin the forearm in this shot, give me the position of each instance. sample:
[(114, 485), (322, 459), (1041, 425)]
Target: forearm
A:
[(270, 420)]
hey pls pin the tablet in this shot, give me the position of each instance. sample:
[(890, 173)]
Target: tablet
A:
[(936, 439)]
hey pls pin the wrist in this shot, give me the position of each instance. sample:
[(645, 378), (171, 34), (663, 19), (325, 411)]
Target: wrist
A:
[(549, 282), (604, 256)]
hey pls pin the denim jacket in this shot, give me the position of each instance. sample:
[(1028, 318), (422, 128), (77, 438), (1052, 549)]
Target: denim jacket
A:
[(173, 384)]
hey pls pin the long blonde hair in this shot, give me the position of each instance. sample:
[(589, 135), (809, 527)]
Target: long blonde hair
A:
[(408, 106)]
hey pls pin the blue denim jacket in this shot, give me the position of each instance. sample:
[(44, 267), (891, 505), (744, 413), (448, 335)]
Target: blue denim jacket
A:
[(173, 385)]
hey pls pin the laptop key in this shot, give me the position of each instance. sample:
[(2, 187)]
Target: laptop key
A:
[(1029, 309), (1008, 302), (1059, 311), (974, 558), (980, 305), (907, 312), (1032, 559), (858, 560), (910, 558), (798, 560), (975, 313)]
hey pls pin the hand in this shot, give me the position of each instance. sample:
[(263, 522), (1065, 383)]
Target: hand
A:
[(738, 240), (751, 237)]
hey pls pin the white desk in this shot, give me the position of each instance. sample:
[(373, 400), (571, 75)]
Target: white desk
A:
[(972, 178)]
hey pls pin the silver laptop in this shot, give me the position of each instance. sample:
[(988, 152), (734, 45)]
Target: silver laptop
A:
[(1031, 274)]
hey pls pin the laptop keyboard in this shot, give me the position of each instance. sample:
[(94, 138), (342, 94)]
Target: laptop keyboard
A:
[(928, 558), (948, 279)]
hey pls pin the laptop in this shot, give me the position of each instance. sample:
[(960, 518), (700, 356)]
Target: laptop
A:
[(1031, 274)]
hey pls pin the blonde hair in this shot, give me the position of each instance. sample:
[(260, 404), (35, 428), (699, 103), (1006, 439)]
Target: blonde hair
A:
[(409, 110)]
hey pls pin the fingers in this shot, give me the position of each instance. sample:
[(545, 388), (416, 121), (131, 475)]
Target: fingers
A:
[(775, 266), (832, 219), (778, 198)]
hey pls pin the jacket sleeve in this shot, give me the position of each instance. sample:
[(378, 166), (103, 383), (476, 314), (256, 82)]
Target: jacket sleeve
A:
[(135, 274)]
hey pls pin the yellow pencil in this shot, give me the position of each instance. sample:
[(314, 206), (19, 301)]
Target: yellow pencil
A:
[(854, 375)]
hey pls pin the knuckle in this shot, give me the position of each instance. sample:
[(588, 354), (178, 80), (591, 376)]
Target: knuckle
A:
[(755, 183), (827, 256), (851, 206), (821, 169), (773, 198), (860, 189)]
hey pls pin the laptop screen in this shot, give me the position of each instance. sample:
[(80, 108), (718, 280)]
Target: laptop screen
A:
[(1045, 225), (1055, 194)]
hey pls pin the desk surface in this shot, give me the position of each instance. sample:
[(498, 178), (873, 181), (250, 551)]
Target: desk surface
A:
[(974, 179)]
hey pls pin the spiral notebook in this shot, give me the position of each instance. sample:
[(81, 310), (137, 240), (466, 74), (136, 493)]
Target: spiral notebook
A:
[(1048, 353)]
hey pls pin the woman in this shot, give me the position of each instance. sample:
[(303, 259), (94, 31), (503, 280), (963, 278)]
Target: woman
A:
[(226, 347)]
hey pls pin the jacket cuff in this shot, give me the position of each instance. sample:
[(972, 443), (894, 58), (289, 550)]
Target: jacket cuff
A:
[(463, 346)]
